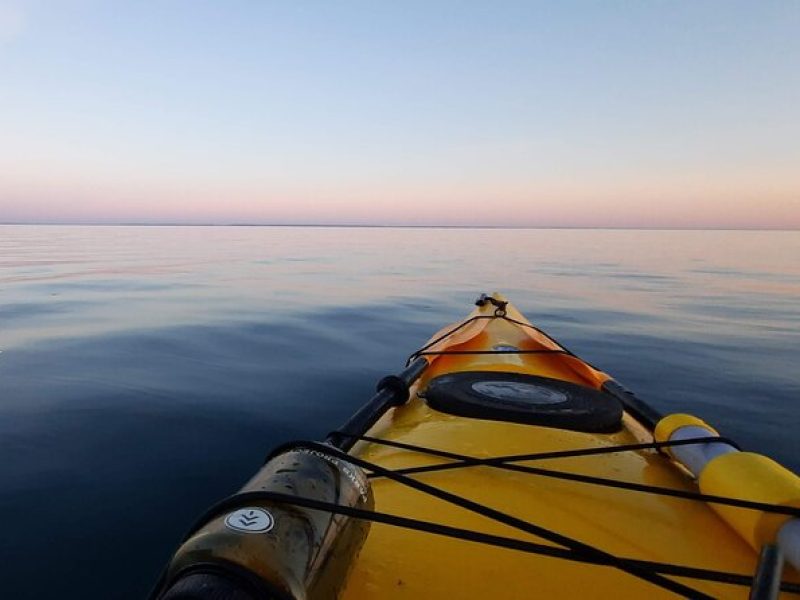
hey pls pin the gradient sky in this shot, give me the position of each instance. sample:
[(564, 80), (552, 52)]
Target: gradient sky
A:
[(662, 114)]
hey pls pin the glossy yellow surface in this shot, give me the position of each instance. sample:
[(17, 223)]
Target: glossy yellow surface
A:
[(398, 563), (754, 477)]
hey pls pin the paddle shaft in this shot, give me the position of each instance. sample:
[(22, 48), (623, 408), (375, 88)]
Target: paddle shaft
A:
[(391, 391), (642, 411)]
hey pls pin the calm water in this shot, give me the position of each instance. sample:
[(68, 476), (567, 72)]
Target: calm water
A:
[(145, 371)]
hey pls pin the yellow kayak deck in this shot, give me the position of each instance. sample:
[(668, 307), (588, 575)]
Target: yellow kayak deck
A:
[(401, 563)]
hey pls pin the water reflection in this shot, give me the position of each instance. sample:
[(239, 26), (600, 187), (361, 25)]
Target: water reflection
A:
[(146, 370)]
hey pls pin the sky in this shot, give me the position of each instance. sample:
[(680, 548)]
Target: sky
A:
[(541, 114)]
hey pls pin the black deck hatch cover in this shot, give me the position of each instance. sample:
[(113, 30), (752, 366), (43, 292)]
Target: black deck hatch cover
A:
[(521, 398)]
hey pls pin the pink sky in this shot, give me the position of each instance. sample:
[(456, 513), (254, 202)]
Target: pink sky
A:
[(740, 202), (539, 114)]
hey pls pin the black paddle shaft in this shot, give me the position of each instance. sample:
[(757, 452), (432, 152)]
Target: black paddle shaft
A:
[(391, 391), (642, 411)]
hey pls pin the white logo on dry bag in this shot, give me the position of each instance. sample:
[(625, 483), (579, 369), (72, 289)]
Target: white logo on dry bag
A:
[(250, 520)]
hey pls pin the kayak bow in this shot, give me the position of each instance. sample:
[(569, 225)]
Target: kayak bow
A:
[(498, 464)]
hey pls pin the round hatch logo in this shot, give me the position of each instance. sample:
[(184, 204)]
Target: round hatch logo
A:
[(505, 348), (516, 391), (250, 520)]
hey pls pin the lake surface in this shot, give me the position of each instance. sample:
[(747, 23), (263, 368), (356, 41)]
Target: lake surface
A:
[(146, 371)]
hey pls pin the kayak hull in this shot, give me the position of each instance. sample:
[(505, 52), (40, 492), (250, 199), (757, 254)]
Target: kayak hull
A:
[(399, 563), (498, 464)]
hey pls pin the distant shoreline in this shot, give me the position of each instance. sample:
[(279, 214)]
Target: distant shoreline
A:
[(385, 226)]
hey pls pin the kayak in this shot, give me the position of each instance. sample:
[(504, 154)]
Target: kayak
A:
[(499, 464)]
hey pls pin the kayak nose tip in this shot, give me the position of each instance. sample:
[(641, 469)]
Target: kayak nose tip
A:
[(494, 298)]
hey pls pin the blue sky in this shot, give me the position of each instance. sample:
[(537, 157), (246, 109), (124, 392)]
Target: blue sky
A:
[(566, 114)]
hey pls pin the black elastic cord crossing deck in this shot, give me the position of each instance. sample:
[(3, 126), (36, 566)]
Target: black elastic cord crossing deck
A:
[(499, 314), (446, 335), (518, 351), (572, 549), (505, 463), (477, 537), (507, 519)]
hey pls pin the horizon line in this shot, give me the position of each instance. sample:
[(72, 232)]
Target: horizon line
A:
[(389, 226)]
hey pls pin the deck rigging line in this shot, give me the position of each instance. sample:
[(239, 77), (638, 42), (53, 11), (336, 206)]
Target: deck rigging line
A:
[(484, 538), (499, 314), (505, 462), (571, 549), (591, 553)]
